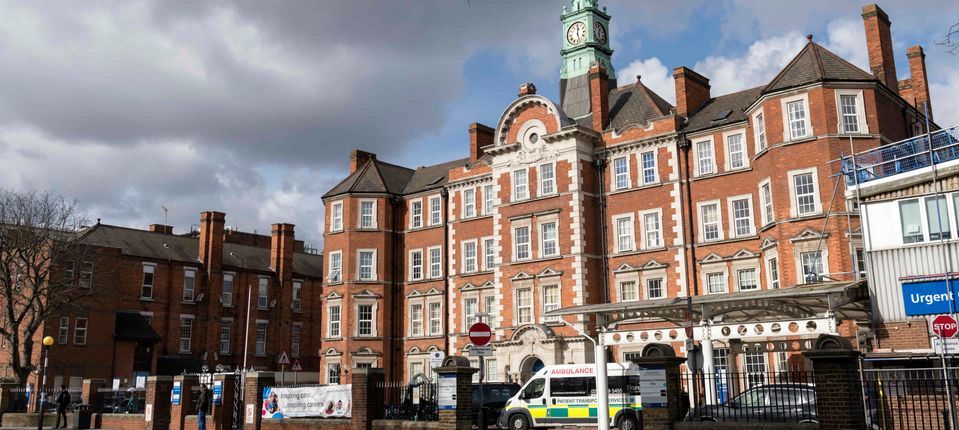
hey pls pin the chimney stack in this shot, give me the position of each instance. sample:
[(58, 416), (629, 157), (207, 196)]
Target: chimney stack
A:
[(359, 158), (879, 44), (211, 240), (599, 96), (918, 80), (692, 90), (281, 251), (160, 228), (481, 136)]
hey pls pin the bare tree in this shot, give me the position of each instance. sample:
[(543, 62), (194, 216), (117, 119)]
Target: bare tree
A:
[(45, 270), (951, 41)]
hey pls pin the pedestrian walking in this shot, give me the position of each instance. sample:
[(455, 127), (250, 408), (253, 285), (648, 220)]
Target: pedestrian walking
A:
[(63, 400), (202, 405)]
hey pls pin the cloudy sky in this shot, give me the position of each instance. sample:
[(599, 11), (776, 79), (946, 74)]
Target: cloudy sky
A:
[(251, 107)]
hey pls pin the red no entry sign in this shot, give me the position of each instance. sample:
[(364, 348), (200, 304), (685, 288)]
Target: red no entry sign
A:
[(480, 334), (944, 326)]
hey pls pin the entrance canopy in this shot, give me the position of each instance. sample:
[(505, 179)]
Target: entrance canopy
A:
[(844, 300)]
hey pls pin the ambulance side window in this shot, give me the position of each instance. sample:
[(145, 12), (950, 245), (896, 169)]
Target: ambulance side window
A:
[(535, 389)]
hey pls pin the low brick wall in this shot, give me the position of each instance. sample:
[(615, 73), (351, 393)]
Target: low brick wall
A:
[(117, 421), (302, 423), (30, 420), (743, 426), (400, 424)]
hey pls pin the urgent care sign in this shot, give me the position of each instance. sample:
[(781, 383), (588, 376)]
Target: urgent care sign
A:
[(929, 297)]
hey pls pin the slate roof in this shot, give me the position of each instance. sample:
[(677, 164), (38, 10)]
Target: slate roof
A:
[(813, 64), (159, 246), (635, 104), (736, 103), (381, 177)]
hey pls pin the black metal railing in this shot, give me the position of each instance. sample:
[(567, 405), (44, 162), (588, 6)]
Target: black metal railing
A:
[(125, 401), (414, 402), (910, 398), (21, 399), (768, 397)]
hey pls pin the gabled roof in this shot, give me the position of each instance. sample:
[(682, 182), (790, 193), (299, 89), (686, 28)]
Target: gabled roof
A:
[(381, 177), (813, 64), (185, 249), (735, 103), (430, 177), (635, 104)]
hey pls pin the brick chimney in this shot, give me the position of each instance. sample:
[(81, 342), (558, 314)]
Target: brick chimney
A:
[(919, 83), (211, 240), (359, 158), (281, 251), (599, 96), (480, 137), (692, 90), (161, 228), (879, 45)]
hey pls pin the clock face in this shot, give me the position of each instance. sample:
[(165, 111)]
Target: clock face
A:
[(599, 33), (576, 33)]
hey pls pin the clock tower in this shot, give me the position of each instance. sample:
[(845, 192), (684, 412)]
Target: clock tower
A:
[(585, 41)]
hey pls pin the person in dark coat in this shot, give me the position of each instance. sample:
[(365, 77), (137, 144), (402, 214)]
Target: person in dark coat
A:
[(63, 400), (203, 402)]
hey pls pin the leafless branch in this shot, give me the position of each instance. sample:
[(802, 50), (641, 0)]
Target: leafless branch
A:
[(951, 41)]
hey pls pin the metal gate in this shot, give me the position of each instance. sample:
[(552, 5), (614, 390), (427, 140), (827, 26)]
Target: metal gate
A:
[(900, 398)]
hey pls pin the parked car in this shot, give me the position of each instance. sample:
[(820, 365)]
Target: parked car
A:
[(782, 403), (495, 395)]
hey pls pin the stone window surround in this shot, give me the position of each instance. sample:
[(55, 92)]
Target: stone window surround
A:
[(410, 203), (817, 199), (860, 110), (616, 234), (726, 163), (732, 215), (359, 214), (804, 97), (641, 216), (701, 224)]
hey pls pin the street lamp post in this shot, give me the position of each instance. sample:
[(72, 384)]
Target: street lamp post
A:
[(47, 343)]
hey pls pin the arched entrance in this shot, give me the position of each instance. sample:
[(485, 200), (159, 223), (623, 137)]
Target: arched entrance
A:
[(531, 365)]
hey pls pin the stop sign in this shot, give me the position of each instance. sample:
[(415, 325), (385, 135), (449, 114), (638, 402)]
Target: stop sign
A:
[(480, 334), (944, 326)]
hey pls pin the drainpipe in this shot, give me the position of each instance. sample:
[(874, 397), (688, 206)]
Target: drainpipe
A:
[(692, 280), (446, 279), (395, 294), (600, 164)]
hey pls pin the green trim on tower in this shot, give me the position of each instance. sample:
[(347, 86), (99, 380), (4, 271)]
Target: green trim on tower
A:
[(588, 42)]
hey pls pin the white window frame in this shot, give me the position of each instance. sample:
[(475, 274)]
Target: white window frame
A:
[(739, 278), (625, 176), (801, 270), (436, 210), (334, 327), (760, 136), (335, 270), (63, 333), (487, 200), (634, 289), (259, 346), (226, 297), (705, 143), (414, 268), (787, 126), (466, 267), (359, 220), (646, 243), (151, 269), (793, 202), (185, 343), (469, 314), (543, 245), (416, 219), (434, 321), (296, 333), (643, 168), (517, 187), (225, 338), (296, 298), (528, 243), (436, 268), (359, 265), (336, 216), (373, 305), (549, 305), (189, 277), (860, 112), (766, 201), (416, 321), (743, 145), (263, 293), (489, 253), (619, 236), (543, 179), (733, 233), (80, 334), (520, 307), (702, 220), (773, 274), (662, 287), (469, 203), (725, 280)]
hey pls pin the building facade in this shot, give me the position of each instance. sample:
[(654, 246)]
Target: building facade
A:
[(614, 195), (168, 303)]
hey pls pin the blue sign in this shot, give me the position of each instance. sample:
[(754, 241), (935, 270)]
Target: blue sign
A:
[(217, 393), (929, 297), (175, 396)]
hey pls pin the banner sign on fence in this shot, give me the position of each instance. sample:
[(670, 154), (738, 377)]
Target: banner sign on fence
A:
[(217, 393), (652, 387), (446, 392), (175, 396), (928, 297), (331, 401)]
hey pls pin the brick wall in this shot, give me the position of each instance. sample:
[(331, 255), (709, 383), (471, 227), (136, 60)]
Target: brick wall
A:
[(117, 421)]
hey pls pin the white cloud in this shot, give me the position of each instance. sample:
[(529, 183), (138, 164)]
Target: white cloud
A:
[(655, 76)]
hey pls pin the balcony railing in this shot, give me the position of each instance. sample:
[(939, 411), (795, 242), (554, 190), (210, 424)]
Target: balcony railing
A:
[(903, 156)]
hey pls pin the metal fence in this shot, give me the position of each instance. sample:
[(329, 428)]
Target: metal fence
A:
[(910, 398), (414, 402), (903, 156), (767, 397), (21, 399), (128, 401)]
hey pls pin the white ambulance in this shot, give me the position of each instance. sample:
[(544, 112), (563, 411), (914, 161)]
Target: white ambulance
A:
[(566, 395)]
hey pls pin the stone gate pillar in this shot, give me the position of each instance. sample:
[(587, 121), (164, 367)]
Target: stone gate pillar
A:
[(839, 401)]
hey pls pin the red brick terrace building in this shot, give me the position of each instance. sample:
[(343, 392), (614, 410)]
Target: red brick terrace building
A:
[(613, 195)]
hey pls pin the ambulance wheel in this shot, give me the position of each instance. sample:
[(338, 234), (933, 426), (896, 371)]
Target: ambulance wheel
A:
[(518, 422), (628, 422)]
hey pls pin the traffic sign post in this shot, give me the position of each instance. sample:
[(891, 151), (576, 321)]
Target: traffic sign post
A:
[(480, 334), (296, 368), (945, 327), (283, 360)]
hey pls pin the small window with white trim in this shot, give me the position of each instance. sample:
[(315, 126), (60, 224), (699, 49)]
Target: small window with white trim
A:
[(705, 162), (648, 160), (336, 218), (736, 151), (520, 185), (416, 214), (469, 203), (547, 179), (747, 279), (367, 213), (621, 173), (759, 130), (522, 240), (852, 118), (716, 282), (469, 256), (435, 211)]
